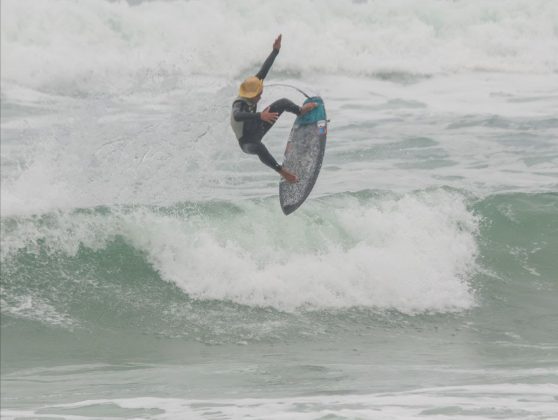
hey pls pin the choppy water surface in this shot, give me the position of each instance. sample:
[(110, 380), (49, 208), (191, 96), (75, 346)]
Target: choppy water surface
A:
[(148, 271)]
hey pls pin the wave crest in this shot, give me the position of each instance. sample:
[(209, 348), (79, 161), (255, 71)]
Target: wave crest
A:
[(412, 253)]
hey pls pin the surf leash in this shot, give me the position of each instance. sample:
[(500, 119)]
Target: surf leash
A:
[(290, 86)]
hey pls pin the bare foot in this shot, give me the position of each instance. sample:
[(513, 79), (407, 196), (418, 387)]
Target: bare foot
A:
[(289, 177), (307, 107)]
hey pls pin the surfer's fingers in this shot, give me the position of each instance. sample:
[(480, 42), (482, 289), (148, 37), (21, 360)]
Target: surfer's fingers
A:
[(273, 115)]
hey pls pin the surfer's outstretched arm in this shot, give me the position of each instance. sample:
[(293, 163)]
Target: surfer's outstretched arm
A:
[(270, 59)]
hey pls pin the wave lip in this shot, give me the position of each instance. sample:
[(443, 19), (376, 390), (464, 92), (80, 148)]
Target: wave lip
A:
[(383, 255), (412, 253)]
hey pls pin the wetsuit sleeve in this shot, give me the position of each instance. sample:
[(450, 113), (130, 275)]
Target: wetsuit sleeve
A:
[(241, 114), (267, 64)]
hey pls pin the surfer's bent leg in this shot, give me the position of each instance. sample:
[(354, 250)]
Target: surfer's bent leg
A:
[(255, 130), (257, 148), (279, 106), (284, 105)]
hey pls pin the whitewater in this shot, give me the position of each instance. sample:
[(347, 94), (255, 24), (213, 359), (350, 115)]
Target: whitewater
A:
[(147, 270)]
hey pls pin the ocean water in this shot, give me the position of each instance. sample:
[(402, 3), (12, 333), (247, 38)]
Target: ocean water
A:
[(148, 272)]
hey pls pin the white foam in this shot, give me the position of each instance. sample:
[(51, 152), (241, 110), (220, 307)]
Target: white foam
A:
[(129, 153), (34, 308), (452, 402), (139, 114), (382, 255), (94, 46)]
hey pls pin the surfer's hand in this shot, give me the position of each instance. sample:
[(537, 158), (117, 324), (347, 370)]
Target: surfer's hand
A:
[(308, 107), (269, 117), (277, 43)]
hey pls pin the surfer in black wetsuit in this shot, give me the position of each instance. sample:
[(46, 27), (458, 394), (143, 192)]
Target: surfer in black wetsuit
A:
[(250, 126)]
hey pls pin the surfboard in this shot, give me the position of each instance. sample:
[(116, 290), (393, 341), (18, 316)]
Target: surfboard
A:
[(303, 156)]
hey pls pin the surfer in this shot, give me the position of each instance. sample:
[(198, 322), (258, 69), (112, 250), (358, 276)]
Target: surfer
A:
[(250, 126)]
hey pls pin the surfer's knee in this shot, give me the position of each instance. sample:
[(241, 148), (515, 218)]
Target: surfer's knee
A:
[(283, 104), (292, 107), (249, 148)]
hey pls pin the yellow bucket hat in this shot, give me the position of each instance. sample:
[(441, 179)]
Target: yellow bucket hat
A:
[(251, 87)]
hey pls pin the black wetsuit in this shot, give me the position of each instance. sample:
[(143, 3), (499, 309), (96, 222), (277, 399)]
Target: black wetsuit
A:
[(254, 128)]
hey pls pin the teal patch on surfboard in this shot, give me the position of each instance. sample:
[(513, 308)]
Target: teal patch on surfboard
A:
[(315, 115)]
